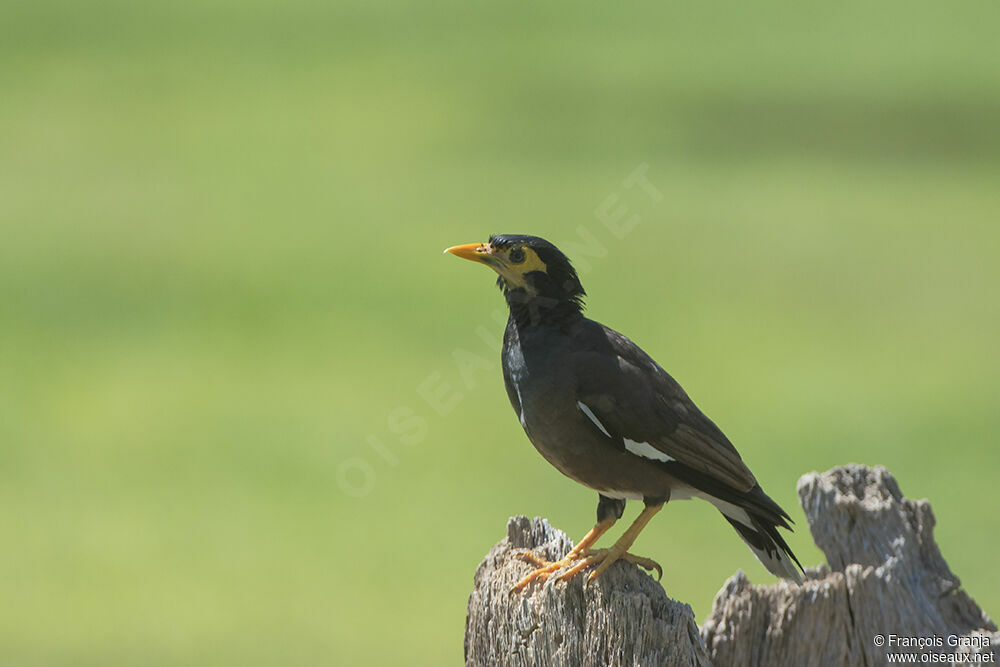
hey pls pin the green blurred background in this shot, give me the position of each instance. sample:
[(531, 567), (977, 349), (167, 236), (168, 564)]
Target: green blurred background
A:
[(221, 282)]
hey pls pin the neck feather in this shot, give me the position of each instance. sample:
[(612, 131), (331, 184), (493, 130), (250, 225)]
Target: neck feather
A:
[(540, 310)]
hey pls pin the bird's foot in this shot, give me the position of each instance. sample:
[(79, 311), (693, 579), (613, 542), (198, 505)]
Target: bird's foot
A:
[(605, 558), (545, 568), (577, 561)]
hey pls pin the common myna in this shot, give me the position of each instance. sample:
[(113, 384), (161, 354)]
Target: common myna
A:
[(605, 414)]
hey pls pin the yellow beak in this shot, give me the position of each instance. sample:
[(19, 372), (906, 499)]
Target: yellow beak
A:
[(477, 252)]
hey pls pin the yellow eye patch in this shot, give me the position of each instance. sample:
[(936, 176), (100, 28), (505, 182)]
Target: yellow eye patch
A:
[(514, 273)]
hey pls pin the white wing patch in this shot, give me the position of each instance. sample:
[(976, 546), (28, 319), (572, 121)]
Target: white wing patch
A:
[(646, 451), (521, 403), (590, 415)]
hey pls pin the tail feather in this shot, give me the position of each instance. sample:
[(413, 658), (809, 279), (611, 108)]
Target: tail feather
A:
[(759, 530), (770, 548)]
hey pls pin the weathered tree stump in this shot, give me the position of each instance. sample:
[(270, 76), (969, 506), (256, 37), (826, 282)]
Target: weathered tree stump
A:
[(622, 618), (885, 578)]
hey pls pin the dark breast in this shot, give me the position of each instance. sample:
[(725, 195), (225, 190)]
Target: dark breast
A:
[(541, 383)]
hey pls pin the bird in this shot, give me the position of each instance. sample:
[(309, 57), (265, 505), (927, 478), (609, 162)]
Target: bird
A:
[(606, 415)]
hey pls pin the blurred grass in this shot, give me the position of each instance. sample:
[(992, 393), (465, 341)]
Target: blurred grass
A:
[(220, 273)]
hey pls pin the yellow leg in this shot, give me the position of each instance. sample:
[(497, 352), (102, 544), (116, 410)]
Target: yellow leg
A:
[(582, 556), (577, 554), (606, 557)]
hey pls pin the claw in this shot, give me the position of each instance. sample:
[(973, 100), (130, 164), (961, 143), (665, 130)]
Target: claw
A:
[(574, 563), (607, 557), (573, 571), (529, 557), (544, 569), (582, 556)]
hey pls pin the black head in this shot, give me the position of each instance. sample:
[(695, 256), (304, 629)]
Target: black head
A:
[(530, 269)]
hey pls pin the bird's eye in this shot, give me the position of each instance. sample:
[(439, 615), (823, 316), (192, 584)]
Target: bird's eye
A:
[(516, 255)]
